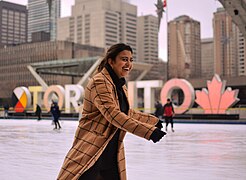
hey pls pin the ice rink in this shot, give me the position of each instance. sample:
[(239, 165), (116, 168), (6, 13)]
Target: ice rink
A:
[(32, 150)]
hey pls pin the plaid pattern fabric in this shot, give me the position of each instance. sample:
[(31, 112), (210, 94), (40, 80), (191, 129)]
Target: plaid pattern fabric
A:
[(100, 120)]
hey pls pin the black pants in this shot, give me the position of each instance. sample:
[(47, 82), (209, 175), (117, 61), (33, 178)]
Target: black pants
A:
[(96, 173), (169, 119), (106, 167), (56, 121), (39, 116)]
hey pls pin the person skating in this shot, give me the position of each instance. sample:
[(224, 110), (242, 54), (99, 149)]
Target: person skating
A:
[(38, 112), (55, 111), (98, 151), (168, 113), (158, 110), (6, 111)]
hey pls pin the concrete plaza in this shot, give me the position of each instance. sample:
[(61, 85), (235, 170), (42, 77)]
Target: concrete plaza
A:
[(31, 149)]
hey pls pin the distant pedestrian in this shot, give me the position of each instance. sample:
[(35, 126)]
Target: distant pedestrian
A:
[(38, 112), (55, 111), (169, 113), (52, 104), (159, 113), (80, 109), (6, 111), (158, 110)]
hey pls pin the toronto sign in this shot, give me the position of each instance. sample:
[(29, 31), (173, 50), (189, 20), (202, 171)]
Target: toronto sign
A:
[(215, 99)]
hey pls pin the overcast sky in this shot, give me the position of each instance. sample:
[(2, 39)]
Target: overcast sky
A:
[(200, 10)]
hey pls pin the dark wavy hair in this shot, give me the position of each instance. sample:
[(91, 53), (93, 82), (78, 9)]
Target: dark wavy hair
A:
[(112, 52)]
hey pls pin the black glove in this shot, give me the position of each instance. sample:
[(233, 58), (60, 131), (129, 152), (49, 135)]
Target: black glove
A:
[(159, 124), (157, 135)]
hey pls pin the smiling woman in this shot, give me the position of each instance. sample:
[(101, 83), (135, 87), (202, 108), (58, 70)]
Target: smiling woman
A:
[(122, 65), (98, 150)]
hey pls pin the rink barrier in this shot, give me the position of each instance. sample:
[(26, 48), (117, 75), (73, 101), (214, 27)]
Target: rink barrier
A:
[(235, 114), (140, 109)]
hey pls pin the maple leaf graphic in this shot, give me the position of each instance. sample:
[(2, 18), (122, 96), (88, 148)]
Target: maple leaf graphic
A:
[(215, 99)]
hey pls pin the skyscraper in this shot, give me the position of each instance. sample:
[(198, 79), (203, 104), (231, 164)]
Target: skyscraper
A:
[(13, 24), (241, 55), (42, 17), (100, 23), (184, 48), (207, 57), (147, 38), (147, 33), (230, 49)]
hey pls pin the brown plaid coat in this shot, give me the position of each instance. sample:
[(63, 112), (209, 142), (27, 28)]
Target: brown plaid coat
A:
[(100, 120)]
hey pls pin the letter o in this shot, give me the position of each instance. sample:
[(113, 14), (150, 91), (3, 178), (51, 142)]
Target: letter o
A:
[(186, 87), (59, 90), (21, 99)]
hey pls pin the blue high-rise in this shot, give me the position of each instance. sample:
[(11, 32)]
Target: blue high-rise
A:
[(42, 17)]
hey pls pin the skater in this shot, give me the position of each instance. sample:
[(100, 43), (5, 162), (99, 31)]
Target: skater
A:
[(80, 109), (38, 112), (168, 113), (159, 114), (98, 150), (6, 111), (55, 111), (158, 110)]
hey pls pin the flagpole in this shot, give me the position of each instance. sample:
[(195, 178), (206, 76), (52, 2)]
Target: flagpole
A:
[(166, 12), (167, 37)]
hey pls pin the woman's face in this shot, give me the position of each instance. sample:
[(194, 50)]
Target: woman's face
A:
[(122, 64)]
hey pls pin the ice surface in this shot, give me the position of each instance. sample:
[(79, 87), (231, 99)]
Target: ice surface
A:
[(31, 150)]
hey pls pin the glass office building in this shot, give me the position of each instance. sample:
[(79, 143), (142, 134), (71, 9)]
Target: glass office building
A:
[(42, 17)]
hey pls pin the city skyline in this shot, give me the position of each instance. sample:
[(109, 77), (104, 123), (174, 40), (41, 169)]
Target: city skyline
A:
[(201, 11)]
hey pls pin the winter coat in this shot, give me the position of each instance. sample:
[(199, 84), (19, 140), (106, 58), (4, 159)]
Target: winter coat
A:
[(38, 110), (55, 111), (101, 118), (168, 110), (158, 110)]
